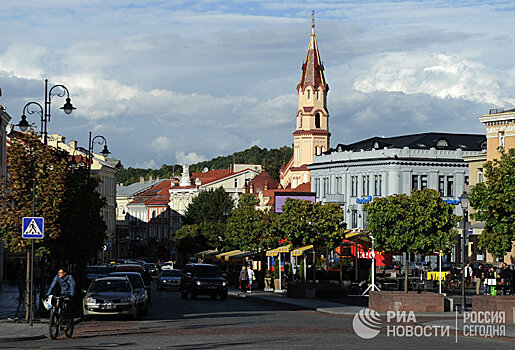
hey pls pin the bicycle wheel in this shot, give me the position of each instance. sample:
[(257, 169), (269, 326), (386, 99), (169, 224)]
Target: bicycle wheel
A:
[(69, 331), (53, 324)]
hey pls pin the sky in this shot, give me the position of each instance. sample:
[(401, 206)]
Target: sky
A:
[(183, 81)]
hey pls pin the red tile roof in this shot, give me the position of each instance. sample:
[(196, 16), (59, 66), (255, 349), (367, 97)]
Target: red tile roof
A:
[(261, 181)]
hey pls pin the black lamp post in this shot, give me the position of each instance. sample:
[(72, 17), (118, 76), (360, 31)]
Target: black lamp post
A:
[(464, 207), (45, 115), (102, 141)]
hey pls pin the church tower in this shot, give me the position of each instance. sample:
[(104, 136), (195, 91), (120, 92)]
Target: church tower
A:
[(311, 136)]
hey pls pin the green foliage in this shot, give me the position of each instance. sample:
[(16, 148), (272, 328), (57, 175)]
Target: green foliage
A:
[(272, 159), (29, 161), (420, 223), (251, 229), (205, 219), (494, 202), (306, 223)]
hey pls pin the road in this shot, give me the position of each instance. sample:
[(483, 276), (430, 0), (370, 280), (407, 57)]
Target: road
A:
[(174, 323)]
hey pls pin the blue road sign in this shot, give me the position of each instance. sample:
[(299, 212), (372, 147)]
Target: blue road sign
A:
[(33, 228)]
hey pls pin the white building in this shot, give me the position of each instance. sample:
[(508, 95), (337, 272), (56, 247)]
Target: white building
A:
[(354, 174)]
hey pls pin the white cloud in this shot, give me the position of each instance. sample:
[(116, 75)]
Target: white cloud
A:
[(148, 164), (161, 144), (190, 158)]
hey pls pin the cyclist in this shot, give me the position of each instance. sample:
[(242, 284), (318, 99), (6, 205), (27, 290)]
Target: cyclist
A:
[(67, 284)]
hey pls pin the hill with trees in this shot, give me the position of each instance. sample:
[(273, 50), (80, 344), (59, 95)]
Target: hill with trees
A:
[(271, 159)]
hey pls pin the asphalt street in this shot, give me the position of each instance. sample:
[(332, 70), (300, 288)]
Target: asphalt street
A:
[(175, 323)]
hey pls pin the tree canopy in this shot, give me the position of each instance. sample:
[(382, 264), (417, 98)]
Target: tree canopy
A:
[(494, 202), (421, 223)]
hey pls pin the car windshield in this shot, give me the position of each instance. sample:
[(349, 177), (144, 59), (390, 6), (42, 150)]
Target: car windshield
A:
[(136, 280), (110, 286), (171, 273), (207, 271)]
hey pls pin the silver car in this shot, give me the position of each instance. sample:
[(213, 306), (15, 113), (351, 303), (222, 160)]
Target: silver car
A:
[(110, 296), (138, 287), (169, 279)]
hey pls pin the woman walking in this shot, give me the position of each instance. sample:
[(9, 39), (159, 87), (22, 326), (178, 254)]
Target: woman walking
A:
[(244, 280)]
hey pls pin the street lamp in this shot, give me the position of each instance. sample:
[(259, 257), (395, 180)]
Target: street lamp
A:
[(105, 152), (45, 115), (464, 206)]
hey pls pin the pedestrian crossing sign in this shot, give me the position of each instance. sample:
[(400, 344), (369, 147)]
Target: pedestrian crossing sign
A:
[(33, 228)]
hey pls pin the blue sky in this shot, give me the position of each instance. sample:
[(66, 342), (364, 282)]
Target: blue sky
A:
[(183, 81)]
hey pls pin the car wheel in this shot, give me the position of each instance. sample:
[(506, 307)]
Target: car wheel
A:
[(184, 294), (224, 296)]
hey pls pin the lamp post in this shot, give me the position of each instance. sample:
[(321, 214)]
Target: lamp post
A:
[(45, 112), (464, 207), (105, 152)]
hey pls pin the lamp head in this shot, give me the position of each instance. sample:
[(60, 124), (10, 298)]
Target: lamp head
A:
[(105, 152), (68, 107), (24, 124), (464, 201)]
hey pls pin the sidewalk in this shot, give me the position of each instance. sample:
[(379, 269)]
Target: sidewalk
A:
[(12, 313)]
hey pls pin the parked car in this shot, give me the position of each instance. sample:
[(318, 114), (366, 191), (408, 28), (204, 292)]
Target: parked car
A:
[(169, 279), (203, 279), (138, 287), (110, 296)]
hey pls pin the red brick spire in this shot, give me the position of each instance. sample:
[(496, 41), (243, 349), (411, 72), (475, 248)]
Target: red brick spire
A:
[(312, 68)]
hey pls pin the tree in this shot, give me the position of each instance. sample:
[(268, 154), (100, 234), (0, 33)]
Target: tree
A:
[(494, 202), (306, 223), (80, 219), (421, 223), (205, 219), (30, 162), (251, 229)]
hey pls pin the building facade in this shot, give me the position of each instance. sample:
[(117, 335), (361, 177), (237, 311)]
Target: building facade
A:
[(352, 175), (311, 136)]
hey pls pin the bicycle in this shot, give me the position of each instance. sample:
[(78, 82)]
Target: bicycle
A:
[(61, 317)]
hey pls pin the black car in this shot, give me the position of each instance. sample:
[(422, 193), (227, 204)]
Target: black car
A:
[(203, 279)]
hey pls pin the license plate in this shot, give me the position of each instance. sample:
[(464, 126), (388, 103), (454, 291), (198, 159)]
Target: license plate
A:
[(107, 306), (211, 287)]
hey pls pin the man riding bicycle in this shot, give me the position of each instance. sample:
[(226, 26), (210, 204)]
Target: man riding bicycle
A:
[(67, 289)]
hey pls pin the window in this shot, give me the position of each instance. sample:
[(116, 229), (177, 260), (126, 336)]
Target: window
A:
[(466, 180), (354, 218), (442, 143), (423, 182), (325, 188), (236, 183), (377, 185), (318, 95), (441, 185), (317, 120), (338, 184), (364, 189), (354, 186), (414, 182), (479, 175), (501, 139), (450, 186)]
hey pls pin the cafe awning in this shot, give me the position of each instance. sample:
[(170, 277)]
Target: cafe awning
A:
[(300, 251), (243, 255), (206, 253), (283, 249), (225, 256)]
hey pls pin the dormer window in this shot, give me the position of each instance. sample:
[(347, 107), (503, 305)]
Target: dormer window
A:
[(442, 143), (376, 145), (309, 94), (483, 145)]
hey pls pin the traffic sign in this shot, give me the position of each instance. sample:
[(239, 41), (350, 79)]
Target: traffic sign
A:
[(33, 228), (109, 245)]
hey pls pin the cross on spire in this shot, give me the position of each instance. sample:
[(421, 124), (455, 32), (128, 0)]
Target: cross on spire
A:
[(313, 19)]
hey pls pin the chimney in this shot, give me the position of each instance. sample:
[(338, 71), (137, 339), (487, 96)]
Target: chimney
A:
[(141, 180), (251, 189), (266, 185), (157, 179), (73, 144), (150, 179)]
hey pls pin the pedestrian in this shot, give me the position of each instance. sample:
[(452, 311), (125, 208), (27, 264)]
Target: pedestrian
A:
[(491, 282), (244, 280), (479, 277), (468, 274), (251, 277), (505, 276)]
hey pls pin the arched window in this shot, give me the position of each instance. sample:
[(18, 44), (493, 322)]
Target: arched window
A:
[(309, 94), (323, 149), (317, 120), (318, 95), (442, 143)]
